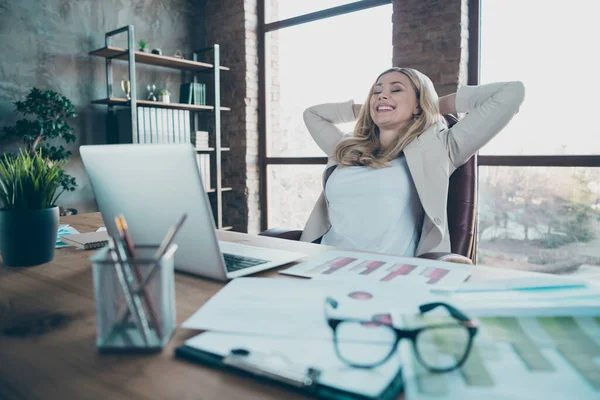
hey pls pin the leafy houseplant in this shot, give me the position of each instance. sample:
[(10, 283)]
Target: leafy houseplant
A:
[(164, 95), (29, 183), (51, 111), (143, 45)]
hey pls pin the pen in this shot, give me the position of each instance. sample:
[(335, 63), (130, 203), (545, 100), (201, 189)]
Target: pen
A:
[(147, 297)]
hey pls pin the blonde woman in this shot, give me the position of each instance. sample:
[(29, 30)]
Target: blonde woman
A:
[(386, 185)]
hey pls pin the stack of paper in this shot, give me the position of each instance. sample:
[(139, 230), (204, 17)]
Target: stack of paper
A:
[(201, 140), (287, 317)]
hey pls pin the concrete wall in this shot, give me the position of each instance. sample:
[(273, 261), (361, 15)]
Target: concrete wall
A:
[(45, 44)]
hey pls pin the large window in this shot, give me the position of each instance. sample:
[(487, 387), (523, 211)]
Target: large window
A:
[(334, 59), (539, 215)]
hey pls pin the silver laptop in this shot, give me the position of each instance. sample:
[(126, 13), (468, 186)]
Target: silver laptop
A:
[(152, 185)]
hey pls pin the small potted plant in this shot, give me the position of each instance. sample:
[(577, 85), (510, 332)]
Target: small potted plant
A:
[(164, 95), (28, 215), (143, 46)]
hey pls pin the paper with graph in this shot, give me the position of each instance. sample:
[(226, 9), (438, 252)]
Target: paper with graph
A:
[(351, 265), (517, 358)]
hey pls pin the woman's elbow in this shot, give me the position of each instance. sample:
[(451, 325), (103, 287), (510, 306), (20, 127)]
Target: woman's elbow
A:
[(517, 89)]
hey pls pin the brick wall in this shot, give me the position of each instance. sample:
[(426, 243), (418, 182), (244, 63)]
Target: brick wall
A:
[(232, 24), (432, 37)]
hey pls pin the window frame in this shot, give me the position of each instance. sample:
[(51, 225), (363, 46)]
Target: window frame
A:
[(263, 29)]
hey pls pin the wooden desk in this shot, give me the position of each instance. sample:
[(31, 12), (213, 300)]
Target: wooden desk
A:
[(48, 333)]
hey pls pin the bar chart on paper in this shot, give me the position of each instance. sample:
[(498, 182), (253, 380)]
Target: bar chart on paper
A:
[(517, 358), (341, 265)]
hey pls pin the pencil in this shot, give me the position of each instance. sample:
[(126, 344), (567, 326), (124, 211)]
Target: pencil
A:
[(125, 235), (164, 246)]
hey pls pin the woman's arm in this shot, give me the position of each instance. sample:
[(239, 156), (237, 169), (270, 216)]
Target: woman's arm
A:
[(321, 120), (489, 108), (448, 104)]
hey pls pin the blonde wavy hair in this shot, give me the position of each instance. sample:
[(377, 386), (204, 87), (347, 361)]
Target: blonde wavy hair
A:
[(364, 147)]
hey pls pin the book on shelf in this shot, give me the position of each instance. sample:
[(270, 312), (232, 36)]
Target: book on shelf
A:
[(155, 125), (192, 93), (203, 161)]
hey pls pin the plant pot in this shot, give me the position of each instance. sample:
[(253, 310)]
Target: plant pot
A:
[(28, 237), (165, 98)]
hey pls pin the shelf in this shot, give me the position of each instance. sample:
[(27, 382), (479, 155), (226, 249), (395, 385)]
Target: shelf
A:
[(116, 101), (223, 189), (154, 59), (210, 149)]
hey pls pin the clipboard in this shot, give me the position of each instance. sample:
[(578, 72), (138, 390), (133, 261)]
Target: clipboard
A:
[(296, 377)]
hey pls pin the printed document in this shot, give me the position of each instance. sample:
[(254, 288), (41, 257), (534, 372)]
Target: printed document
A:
[(296, 307), (350, 265), (517, 358)]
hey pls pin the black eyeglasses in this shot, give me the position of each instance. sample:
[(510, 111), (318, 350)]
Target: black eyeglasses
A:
[(441, 344)]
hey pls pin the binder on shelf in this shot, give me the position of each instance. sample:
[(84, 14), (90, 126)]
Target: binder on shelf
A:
[(192, 93), (124, 132), (186, 93), (199, 93), (188, 129), (203, 161)]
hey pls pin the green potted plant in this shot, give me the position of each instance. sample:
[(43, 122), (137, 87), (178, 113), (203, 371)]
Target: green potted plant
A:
[(48, 113), (29, 215), (164, 95), (143, 46)]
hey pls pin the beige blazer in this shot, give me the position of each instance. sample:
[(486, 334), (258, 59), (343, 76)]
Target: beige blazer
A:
[(431, 158)]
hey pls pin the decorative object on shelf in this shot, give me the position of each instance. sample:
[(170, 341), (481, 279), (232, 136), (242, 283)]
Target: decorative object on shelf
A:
[(29, 219), (178, 54), (126, 86), (157, 51), (143, 46), (51, 112), (164, 96), (151, 90)]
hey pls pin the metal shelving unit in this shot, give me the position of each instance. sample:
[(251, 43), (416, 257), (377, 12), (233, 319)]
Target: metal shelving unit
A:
[(132, 57)]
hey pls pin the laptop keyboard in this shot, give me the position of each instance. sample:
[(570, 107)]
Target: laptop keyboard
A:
[(235, 263)]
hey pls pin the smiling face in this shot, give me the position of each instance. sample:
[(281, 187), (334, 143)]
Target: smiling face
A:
[(394, 101)]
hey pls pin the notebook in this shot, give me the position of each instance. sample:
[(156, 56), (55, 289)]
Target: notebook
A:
[(87, 241)]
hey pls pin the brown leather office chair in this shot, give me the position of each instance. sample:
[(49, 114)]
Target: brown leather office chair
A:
[(462, 201)]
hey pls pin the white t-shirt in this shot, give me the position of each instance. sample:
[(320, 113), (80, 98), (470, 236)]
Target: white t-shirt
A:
[(374, 209)]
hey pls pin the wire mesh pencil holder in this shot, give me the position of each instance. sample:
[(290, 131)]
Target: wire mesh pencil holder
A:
[(135, 299)]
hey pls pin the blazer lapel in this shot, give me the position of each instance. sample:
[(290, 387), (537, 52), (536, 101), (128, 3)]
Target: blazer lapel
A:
[(427, 188)]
